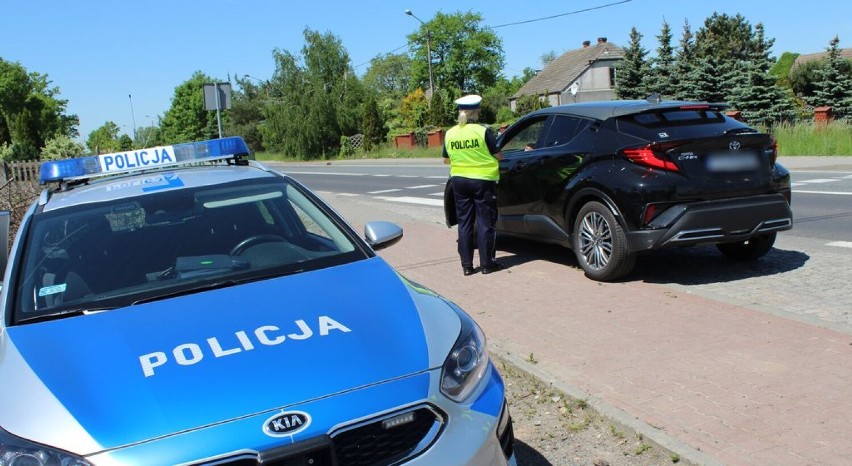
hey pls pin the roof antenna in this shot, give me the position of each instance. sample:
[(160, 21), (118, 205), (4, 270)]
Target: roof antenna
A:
[(654, 98)]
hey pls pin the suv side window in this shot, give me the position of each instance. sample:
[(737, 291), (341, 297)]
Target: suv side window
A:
[(563, 130), (528, 135)]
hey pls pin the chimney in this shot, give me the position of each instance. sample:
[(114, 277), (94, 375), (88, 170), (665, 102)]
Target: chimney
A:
[(586, 43), (601, 40)]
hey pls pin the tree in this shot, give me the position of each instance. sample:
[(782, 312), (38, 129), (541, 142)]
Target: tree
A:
[(104, 139), (317, 99), (246, 114), (187, 120), (389, 76), (662, 77), (31, 111), (548, 57), (61, 147), (465, 55), (632, 73), (756, 92), (373, 125), (833, 87), (684, 66)]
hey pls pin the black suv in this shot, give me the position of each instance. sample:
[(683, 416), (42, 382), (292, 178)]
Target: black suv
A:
[(612, 179)]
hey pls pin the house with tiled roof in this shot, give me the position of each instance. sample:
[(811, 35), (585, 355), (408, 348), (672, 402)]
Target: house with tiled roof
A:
[(579, 75), (845, 54)]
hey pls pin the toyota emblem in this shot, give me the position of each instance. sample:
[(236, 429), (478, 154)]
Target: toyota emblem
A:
[(734, 145)]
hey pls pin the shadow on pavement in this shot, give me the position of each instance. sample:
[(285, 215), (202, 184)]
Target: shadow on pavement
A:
[(527, 456), (695, 265)]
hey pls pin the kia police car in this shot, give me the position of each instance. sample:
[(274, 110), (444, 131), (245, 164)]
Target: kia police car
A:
[(186, 305)]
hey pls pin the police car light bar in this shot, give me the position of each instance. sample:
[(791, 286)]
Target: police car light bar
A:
[(142, 159)]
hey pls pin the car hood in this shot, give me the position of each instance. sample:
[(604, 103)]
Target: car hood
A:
[(168, 366)]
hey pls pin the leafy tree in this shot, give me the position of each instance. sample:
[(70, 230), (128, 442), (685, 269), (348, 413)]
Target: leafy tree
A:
[(756, 93), (186, 119), (662, 76), (632, 73), (804, 76), (781, 68), (246, 114), (728, 38), (414, 109), (442, 109), (149, 136), (125, 142), (389, 76), (548, 57), (529, 103), (104, 139), (317, 99), (833, 87), (465, 55), (62, 147), (31, 111)]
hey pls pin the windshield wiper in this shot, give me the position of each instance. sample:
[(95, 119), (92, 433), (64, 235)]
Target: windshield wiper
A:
[(186, 291), (63, 314)]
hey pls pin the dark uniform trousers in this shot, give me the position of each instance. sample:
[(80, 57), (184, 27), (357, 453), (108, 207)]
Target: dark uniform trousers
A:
[(476, 204)]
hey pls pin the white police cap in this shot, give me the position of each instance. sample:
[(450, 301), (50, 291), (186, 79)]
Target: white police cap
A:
[(468, 102)]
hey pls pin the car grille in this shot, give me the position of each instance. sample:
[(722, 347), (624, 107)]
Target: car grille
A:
[(386, 440), (372, 443)]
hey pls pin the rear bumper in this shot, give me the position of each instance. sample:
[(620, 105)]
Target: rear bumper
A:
[(718, 221)]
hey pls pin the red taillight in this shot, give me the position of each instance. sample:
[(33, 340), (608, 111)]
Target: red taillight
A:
[(648, 157), (773, 155), (650, 212)]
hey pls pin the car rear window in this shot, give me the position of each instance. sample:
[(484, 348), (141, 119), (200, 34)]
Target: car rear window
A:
[(677, 124)]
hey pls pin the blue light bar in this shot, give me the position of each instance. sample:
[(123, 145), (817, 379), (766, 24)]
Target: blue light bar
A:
[(142, 159)]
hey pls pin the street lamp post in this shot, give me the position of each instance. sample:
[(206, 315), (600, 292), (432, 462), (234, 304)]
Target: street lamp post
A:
[(428, 54), (265, 84)]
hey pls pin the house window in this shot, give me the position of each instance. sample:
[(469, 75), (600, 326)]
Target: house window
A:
[(611, 77)]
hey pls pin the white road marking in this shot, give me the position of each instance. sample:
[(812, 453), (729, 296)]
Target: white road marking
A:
[(819, 180), (840, 244), (385, 191), (422, 186), (840, 193), (413, 200)]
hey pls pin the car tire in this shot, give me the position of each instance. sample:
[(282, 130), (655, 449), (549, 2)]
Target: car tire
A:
[(748, 250), (600, 243)]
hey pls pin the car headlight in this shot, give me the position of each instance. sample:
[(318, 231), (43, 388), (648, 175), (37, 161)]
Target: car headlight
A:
[(15, 451), (467, 361)]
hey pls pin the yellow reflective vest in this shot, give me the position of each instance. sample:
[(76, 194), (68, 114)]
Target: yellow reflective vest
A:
[(469, 154)]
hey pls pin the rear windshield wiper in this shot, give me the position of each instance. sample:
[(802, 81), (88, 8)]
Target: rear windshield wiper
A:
[(740, 131)]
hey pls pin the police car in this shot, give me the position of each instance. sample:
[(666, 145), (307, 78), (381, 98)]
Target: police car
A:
[(186, 305)]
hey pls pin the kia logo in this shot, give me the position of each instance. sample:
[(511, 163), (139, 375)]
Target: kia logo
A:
[(734, 145), (286, 423)]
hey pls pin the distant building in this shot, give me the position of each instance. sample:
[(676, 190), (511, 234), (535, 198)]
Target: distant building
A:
[(845, 54), (579, 75)]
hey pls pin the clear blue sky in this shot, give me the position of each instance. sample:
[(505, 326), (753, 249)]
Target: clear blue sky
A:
[(101, 52)]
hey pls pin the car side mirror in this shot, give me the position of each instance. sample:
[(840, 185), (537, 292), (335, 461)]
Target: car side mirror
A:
[(380, 235)]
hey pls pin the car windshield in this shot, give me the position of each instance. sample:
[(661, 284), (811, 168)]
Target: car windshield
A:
[(116, 253)]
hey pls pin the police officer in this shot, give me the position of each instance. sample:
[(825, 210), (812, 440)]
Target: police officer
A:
[(471, 150)]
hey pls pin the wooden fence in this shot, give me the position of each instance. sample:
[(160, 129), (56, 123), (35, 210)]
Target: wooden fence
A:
[(19, 188)]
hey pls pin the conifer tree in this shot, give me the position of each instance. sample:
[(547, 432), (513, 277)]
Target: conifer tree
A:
[(755, 91), (684, 66), (662, 79), (833, 87), (632, 74)]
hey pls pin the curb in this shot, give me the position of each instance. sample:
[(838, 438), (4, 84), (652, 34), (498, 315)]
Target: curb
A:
[(688, 455)]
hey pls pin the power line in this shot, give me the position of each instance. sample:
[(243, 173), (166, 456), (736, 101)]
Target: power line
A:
[(561, 14), (524, 22)]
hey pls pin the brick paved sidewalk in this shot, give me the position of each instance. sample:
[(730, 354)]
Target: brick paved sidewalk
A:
[(724, 384)]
